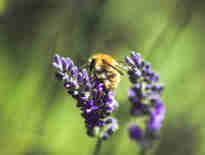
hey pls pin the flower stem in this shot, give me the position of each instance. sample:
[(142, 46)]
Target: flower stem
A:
[(143, 151), (97, 147)]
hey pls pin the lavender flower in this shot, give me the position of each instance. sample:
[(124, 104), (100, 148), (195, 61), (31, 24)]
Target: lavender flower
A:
[(145, 98), (93, 99)]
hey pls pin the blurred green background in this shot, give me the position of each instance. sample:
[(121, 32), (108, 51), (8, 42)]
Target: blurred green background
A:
[(37, 117)]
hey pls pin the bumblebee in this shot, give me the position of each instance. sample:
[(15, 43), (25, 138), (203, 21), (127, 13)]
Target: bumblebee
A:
[(106, 68)]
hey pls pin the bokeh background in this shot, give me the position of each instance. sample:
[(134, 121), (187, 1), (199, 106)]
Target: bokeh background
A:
[(37, 117)]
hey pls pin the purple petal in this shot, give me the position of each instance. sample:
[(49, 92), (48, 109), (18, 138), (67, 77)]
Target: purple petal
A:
[(135, 132), (57, 59), (157, 117), (131, 93), (129, 61)]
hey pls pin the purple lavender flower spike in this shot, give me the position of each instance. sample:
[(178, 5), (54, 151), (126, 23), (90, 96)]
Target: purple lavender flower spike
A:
[(145, 98), (93, 99)]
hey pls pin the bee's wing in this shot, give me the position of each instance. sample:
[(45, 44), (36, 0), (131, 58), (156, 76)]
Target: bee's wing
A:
[(117, 69)]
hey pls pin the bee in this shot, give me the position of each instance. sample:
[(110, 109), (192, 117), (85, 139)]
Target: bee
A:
[(106, 68)]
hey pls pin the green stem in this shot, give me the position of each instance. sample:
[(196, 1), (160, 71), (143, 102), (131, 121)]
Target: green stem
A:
[(143, 151), (97, 147)]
